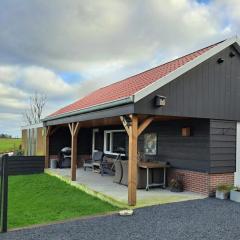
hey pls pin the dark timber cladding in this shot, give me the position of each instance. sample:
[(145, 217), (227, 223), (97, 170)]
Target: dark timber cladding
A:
[(222, 146), (210, 90), (21, 165), (190, 153)]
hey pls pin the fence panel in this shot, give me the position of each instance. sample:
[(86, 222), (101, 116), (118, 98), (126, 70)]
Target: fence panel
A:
[(15, 165), (4, 193), (22, 165)]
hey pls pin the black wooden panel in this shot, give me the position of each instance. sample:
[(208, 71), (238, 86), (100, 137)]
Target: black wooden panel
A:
[(84, 145), (59, 139), (190, 153), (222, 146), (21, 165), (210, 90)]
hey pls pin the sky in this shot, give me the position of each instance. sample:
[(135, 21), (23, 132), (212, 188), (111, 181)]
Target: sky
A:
[(66, 49)]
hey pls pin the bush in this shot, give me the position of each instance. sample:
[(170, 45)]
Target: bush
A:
[(176, 185), (224, 188)]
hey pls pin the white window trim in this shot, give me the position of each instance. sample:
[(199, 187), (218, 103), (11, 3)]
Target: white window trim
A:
[(94, 131), (111, 141)]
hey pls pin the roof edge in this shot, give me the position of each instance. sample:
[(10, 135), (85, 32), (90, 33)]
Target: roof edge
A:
[(101, 106), (185, 68), (35, 125)]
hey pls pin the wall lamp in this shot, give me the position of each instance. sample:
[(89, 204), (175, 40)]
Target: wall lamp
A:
[(231, 54), (220, 60), (127, 120)]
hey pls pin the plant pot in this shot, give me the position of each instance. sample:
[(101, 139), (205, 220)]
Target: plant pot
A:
[(222, 194), (174, 189), (235, 196)]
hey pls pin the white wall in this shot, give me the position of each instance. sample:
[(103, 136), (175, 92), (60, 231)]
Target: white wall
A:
[(237, 173)]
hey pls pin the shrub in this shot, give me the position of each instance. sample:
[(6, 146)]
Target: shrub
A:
[(224, 188), (176, 185)]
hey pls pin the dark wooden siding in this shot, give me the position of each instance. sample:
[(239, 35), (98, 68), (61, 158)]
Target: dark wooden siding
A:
[(22, 165), (59, 139), (62, 138), (210, 90), (190, 153), (222, 146), (84, 141)]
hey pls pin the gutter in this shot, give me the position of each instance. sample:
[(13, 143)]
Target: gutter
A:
[(102, 106)]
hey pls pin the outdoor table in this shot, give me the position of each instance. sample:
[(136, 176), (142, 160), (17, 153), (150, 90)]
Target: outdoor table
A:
[(154, 165)]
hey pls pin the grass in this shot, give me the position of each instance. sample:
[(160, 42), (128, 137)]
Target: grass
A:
[(40, 198), (9, 144)]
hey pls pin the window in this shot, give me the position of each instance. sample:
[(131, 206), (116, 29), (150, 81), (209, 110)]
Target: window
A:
[(94, 140), (114, 142), (150, 143)]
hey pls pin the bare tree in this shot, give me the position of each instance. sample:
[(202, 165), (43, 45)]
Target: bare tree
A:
[(36, 105)]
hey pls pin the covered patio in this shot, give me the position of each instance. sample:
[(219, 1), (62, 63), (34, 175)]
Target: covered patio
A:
[(81, 133), (104, 187)]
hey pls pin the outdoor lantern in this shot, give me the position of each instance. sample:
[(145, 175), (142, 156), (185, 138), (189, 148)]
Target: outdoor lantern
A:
[(231, 54), (220, 60), (127, 120), (160, 101)]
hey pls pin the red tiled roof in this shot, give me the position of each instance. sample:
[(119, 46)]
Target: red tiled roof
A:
[(130, 85)]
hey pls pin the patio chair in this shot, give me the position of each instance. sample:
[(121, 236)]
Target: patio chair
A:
[(118, 170), (95, 161), (106, 166)]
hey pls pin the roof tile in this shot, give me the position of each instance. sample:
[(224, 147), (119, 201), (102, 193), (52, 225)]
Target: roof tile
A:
[(131, 85)]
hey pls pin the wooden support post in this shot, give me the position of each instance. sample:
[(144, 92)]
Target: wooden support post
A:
[(74, 129), (47, 136), (133, 132), (132, 161)]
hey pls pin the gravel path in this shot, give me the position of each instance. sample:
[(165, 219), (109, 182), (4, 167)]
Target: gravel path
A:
[(199, 219)]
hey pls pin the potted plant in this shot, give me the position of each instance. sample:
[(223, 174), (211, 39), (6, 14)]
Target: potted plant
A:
[(176, 185), (235, 194), (222, 191)]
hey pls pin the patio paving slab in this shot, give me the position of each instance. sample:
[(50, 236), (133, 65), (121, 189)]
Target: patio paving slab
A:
[(208, 219), (105, 185)]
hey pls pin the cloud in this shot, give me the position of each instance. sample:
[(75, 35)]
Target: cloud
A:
[(42, 43), (79, 35)]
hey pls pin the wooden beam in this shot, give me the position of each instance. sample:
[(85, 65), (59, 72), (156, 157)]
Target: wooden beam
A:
[(144, 125), (124, 124), (132, 161), (47, 136), (70, 125), (74, 129), (54, 130)]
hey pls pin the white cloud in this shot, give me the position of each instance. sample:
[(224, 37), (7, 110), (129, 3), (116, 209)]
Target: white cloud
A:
[(103, 41), (78, 35)]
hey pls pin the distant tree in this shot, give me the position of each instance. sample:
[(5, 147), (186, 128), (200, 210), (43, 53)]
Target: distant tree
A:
[(4, 135), (33, 114)]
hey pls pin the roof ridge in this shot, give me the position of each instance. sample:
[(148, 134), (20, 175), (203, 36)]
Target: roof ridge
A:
[(134, 75)]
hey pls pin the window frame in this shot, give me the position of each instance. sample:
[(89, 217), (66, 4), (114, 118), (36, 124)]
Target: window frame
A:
[(94, 131), (111, 141)]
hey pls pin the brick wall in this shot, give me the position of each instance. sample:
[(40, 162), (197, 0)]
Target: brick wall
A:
[(203, 183)]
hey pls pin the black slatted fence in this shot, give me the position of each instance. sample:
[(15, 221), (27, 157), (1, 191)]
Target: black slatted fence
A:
[(15, 165)]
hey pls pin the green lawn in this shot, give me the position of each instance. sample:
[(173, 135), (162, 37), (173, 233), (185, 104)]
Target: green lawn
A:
[(9, 144), (40, 198)]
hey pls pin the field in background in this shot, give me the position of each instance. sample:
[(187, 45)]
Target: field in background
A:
[(9, 144)]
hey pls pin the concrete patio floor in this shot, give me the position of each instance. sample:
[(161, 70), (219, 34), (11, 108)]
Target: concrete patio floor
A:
[(104, 188)]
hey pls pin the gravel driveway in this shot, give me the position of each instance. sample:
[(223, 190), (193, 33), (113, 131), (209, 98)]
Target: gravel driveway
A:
[(199, 219)]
